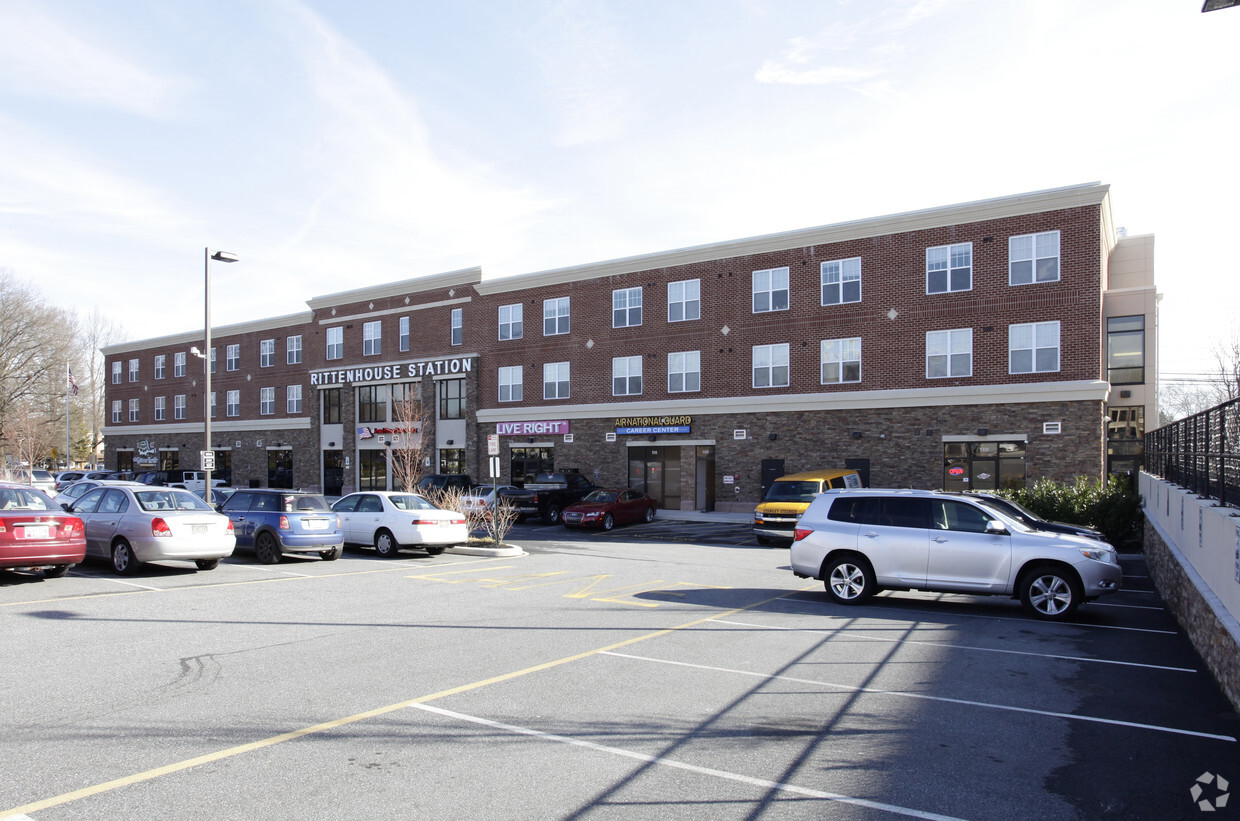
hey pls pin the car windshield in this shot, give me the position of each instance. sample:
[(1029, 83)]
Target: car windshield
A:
[(600, 496), (290, 503), (153, 500), (793, 491), (14, 498), (408, 501)]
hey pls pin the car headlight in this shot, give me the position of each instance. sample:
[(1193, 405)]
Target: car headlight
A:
[(591, 516), (1099, 554)]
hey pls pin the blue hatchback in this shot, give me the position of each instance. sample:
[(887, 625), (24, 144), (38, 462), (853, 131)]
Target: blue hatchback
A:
[(272, 522)]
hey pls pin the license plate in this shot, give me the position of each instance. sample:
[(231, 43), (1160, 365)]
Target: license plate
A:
[(37, 532), (199, 530), (316, 524)]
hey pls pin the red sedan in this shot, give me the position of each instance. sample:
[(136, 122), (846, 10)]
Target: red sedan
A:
[(608, 508), (35, 533)]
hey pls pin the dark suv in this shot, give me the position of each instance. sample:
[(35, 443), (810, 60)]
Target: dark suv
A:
[(271, 522), (445, 481)]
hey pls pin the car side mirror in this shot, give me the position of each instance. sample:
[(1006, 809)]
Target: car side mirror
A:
[(67, 507), (995, 527)]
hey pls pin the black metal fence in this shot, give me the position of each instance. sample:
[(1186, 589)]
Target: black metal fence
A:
[(1201, 453)]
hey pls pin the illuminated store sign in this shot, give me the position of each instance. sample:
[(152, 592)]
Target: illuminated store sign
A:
[(378, 373), (642, 425), (544, 428)]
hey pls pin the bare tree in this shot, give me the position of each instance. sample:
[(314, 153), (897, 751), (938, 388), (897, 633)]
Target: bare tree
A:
[(499, 520), (1227, 362), (408, 443), (98, 332)]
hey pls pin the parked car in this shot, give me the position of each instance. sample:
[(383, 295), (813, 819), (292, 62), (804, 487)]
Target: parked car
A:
[(272, 522), (79, 489), (132, 525), (35, 477), (444, 481), (390, 520), (196, 479), (481, 498), (861, 541), (35, 534), (608, 508), (549, 494), (1028, 517), (69, 477), (789, 496)]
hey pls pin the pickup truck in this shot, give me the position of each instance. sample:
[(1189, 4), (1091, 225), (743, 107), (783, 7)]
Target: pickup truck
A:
[(549, 494)]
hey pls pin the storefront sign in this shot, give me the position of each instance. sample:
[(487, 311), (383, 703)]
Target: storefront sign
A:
[(370, 433), (653, 424), (376, 373), (544, 428)]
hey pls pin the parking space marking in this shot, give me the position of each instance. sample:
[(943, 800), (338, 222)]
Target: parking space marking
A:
[(131, 584), (951, 646), (230, 752), (1126, 606), (693, 768), (848, 688), (942, 597)]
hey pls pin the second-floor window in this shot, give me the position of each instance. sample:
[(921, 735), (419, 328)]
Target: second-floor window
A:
[(161, 406), (292, 399), (133, 410), (452, 399), (159, 365), (232, 357), (770, 290), (178, 363), (372, 338), (841, 360), (178, 406), (116, 410), (555, 380), (684, 371), (458, 326), (770, 366), (266, 353), (331, 406), (555, 316), (232, 405), (949, 268), (626, 307), (841, 281), (949, 353), (335, 343), (626, 376), (1033, 347), (511, 384), (684, 300), (266, 401), (510, 321), (1126, 350), (292, 350)]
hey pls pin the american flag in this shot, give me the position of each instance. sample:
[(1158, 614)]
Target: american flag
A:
[(73, 386)]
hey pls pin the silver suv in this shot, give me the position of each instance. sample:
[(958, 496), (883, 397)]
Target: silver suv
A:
[(862, 541)]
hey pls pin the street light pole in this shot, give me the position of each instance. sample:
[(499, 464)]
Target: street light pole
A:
[(207, 256)]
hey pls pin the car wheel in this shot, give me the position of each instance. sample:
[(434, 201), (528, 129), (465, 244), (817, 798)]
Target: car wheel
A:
[(385, 543), (331, 555), (552, 515), (56, 571), (124, 561), (1050, 592), (207, 564), (267, 549), (609, 521), (849, 580), (762, 539), (650, 514), (436, 549)]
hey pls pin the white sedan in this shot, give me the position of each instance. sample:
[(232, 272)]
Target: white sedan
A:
[(390, 520)]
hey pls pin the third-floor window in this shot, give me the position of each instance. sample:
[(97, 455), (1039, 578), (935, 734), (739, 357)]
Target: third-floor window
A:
[(626, 307)]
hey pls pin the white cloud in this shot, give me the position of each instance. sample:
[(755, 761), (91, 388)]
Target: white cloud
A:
[(46, 57)]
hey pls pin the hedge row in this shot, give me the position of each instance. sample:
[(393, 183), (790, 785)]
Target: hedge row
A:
[(1112, 506)]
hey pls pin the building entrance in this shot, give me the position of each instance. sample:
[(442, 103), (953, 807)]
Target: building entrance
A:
[(527, 463), (983, 465), (656, 472)]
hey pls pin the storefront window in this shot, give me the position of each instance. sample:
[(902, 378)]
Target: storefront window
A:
[(983, 465), (527, 463), (372, 470), (372, 403), (169, 460), (452, 460), (280, 468)]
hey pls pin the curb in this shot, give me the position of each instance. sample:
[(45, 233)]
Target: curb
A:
[(498, 552)]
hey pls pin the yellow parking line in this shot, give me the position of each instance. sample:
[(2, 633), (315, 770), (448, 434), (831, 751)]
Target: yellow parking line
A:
[(148, 775)]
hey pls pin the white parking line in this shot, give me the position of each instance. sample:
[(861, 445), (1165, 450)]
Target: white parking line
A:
[(1127, 606), (265, 569), (693, 768), (942, 596), (951, 646), (129, 584), (922, 697)]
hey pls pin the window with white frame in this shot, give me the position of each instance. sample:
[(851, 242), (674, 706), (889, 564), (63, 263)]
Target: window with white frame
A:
[(1033, 347), (684, 300), (458, 326), (266, 353), (555, 380), (510, 384), (213, 405), (372, 338), (116, 374), (116, 410), (266, 401), (626, 307), (1033, 258), (335, 343), (232, 403), (555, 316), (292, 399), (949, 353), (770, 290), (133, 410), (949, 268), (161, 407), (841, 360), (841, 281), (178, 363), (403, 334), (159, 365), (770, 366), (292, 350), (178, 406), (510, 321), (684, 372), (133, 370), (232, 357), (213, 352), (626, 375)]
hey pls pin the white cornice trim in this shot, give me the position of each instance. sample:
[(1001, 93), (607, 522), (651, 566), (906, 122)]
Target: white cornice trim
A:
[(1011, 206), (404, 309), (1080, 391), (192, 337), (464, 276), (195, 428)]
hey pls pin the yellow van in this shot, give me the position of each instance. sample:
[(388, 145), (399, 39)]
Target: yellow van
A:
[(776, 517)]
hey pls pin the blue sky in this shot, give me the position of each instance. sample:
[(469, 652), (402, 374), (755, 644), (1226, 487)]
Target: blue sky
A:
[(333, 145)]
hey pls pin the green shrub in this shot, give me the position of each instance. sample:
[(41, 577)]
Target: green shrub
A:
[(1112, 506)]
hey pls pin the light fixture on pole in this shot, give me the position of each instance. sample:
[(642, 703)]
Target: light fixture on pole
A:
[(209, 460)]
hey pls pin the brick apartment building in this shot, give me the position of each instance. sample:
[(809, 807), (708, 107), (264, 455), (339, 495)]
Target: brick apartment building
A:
[(977, 345)]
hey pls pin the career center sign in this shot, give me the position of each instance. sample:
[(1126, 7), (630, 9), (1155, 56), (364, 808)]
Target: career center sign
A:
[(642, 425)]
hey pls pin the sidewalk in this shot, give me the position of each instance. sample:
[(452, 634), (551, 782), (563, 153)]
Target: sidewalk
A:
[(697, 516)]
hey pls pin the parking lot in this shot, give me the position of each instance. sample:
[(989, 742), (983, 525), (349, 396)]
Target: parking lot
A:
[(644, 673)]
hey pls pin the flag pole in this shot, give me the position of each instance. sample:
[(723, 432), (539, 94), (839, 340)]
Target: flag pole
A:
[(68, 383)]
